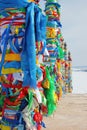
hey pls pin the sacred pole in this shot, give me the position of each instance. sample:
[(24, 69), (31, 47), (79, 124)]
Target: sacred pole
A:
[(66, 68), (69, 73)]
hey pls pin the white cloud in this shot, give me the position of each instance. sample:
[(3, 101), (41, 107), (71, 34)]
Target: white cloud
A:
[(74, 20)]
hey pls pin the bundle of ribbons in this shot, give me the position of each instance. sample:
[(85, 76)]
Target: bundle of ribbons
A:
[(52, 40), (20, 98), (57, 60)]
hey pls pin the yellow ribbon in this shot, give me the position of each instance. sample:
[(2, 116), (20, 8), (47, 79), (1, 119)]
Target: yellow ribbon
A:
[(46, 84), (55, 97), (10, 70), (51, 33), (3, 79), (3, 127), (12, 57)]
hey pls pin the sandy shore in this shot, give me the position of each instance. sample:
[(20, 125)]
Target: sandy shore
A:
[(71, 114)]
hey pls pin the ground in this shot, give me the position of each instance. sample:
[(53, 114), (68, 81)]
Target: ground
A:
[(71, 114)]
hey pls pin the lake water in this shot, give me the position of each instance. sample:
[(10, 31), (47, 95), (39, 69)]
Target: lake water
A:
[(79, 77)]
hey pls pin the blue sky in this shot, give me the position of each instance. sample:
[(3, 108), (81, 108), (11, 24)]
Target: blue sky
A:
[(74, 28)]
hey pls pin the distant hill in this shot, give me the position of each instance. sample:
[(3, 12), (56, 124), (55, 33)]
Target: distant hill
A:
[(79, 68)]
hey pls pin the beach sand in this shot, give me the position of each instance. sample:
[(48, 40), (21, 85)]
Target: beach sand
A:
[(71, 114)]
